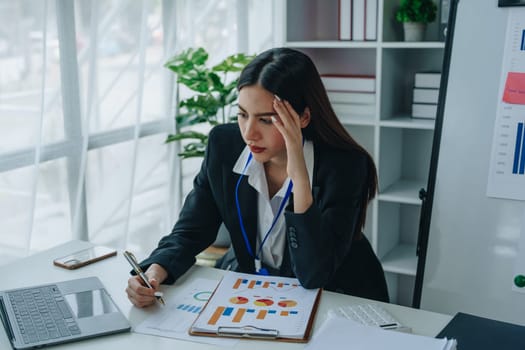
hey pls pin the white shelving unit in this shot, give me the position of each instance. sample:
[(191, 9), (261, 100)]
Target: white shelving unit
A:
[(401, 145)]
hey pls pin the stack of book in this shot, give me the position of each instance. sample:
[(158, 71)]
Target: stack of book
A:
[(425, 95), (352, 97), (358, 20), (210, 255)]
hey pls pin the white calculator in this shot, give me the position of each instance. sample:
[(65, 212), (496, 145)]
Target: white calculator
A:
[(371, 315)]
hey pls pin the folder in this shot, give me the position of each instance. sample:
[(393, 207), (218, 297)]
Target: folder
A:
[(345, 19), (355, 83), (478, 333), (258, 307)]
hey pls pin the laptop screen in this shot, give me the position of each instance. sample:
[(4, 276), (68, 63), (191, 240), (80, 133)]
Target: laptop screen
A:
[(90, 303)]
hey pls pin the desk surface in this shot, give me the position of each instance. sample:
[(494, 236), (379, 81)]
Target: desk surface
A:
[(114, 273)]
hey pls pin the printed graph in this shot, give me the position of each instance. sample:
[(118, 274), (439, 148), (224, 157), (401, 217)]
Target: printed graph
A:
[(518, 166), (236, 315), (195, 309), (202, 296), (238, 300), (243, 284), (267, 302), (263, 302), (287, 303), (507, 162)]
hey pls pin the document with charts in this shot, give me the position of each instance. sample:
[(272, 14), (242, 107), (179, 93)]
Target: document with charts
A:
[(256, 306), (183, 305)]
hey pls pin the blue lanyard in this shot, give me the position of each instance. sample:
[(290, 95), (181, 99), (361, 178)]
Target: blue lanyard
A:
[(259, 270)]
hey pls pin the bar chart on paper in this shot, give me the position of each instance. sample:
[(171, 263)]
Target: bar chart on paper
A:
[(507, 171), (518, 164), (244, 283), (181, 310), (265, 302)]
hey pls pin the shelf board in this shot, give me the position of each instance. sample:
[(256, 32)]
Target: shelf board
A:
[(403, 191), (413, 45), (329, 44), (349, 44), (408, 122), (401, 259)]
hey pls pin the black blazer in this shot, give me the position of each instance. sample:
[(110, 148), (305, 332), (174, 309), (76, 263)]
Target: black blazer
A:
[(320, 247)]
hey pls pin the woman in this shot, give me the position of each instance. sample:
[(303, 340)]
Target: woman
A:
[(289, 183)]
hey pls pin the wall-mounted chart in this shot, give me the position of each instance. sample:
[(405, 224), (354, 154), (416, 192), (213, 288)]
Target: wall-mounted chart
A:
[(507, 167)]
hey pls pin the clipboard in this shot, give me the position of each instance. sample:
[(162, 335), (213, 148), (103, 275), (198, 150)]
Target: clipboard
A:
[(258, 307)]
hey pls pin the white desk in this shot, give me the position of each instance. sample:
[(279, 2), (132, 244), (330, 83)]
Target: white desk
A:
[(114, 273)]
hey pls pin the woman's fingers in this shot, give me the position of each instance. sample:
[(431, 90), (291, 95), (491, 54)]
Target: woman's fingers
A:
[(287, 114), (287, 121), (138, 294)]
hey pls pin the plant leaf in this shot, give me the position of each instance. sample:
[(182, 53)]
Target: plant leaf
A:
[(215, 92), (233, 63), (184, 135)]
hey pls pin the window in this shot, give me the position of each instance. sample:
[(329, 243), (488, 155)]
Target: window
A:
[(85, 106)]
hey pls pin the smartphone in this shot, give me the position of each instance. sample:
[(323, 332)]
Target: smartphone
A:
[(84, 257)]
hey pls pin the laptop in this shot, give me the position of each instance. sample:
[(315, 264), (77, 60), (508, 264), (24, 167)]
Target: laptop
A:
[(60, 312)]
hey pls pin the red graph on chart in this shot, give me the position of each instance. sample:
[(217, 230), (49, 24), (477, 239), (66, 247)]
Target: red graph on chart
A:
[(238, 300), (263, 302), (287, 303)]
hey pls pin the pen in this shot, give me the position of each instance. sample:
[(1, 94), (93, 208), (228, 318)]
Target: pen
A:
[(396, 327), (136, 267), (389, 325)]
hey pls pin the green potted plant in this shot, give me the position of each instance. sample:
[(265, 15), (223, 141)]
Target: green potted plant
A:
[(415, 15), (215, 92)]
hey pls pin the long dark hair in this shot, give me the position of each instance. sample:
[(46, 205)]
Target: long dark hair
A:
[(292, 75)]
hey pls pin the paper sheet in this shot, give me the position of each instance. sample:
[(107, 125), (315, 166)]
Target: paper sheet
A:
[(265, 302), (182, 308), (342, 333), (507, 165)]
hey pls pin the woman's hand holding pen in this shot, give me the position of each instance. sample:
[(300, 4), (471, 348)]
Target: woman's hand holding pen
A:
[(141, 295), (289, 124)]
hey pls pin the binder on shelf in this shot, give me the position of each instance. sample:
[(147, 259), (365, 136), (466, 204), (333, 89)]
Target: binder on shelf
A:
[(356, 83), (354, 108), (258, 307), (427, 80), (424, 110), (425, 95), (351, 97), (477, 333), (371, 20), (358, 20), (345, 19)]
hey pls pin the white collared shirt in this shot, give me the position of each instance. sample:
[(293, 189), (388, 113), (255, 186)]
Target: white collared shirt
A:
[(273, 248)]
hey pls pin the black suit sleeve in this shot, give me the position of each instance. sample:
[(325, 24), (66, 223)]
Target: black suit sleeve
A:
[(319, 240), (195, 229)]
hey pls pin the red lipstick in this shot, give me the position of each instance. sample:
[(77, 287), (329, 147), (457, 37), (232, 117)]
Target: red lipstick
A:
[(256, 149)]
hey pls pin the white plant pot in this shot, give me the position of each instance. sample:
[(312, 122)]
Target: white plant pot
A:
[(414, 31)]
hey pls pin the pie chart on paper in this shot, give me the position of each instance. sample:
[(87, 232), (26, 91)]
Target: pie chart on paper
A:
[(263, 302), (287, 303), (238, 300)]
